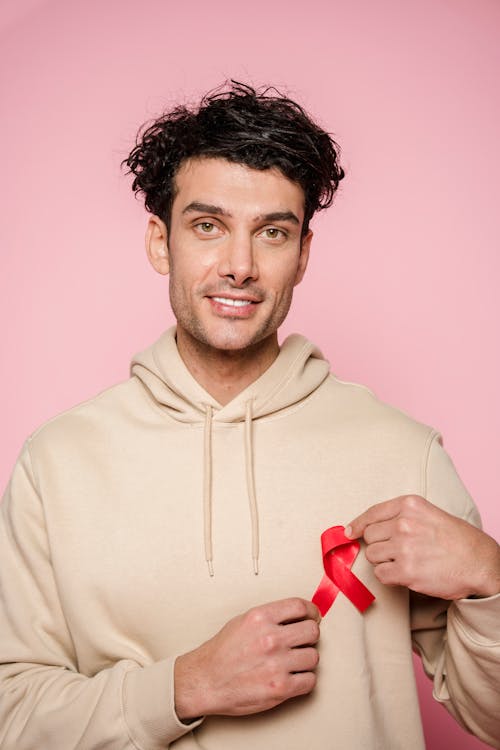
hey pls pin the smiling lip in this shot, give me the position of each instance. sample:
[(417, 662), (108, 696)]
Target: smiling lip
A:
[(232, 306)]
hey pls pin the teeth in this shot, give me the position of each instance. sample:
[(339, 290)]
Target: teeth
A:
[(232, 302)]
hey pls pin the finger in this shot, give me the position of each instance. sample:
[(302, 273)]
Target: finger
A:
[(380, 552), (294, 609), (304, 633), (388, 574), (383, 511), (379, 532), (303, 659), (302, 683)]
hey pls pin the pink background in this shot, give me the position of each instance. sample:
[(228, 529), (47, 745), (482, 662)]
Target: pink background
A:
[(402, 290)]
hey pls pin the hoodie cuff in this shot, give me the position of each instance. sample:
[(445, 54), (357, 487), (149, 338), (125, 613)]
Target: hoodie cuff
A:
[(478, 619), (149, 706)]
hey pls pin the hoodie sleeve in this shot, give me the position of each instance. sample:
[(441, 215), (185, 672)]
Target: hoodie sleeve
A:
[(44, 700), (459, 642)]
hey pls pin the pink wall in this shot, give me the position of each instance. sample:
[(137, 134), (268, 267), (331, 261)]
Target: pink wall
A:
[(402, 289)]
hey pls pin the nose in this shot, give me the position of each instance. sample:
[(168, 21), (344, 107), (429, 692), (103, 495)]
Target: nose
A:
[(238, 262)]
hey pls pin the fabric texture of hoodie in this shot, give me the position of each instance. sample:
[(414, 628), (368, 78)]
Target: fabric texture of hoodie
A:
[(138, 523)]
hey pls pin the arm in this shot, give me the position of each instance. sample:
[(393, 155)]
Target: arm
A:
[(413, 542), (44, 700), (256, 661)]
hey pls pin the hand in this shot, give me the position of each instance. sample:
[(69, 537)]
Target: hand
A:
[(256, 661), (413, 543)]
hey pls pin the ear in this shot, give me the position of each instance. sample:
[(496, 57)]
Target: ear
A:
[(156, 244), (303, 257)]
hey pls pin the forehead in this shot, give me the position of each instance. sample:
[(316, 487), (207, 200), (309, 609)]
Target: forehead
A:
[(236, 187)]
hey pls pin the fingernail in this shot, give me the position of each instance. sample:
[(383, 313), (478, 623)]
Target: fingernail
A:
[(348, 531)]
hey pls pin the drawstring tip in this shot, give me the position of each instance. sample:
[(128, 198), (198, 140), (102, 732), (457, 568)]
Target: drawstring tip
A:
[(256, 566), (210, 568)]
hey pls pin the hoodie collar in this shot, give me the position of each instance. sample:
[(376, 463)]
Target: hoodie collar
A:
[(297, 371)]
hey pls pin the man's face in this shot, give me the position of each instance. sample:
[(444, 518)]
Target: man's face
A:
[(234, 252)]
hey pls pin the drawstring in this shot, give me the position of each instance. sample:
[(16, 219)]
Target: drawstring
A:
[(207, 487), (251, 486)]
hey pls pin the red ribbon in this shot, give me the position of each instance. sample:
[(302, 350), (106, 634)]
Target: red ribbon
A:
[(339, 553)]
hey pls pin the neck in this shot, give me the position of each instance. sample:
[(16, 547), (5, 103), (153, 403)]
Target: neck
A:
[(226, 373)]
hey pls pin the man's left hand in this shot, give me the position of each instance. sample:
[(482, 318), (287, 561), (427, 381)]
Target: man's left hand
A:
[(413, 543)]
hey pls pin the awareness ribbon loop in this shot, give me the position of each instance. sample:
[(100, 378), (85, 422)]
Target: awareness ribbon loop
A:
[(339, 554)]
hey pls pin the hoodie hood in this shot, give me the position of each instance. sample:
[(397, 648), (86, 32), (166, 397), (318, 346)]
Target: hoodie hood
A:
[(299, 369)]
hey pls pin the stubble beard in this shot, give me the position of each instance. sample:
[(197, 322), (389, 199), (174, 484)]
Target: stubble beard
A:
[(228, 338)]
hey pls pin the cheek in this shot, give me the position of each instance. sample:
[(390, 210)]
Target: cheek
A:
[(283, 277), (191, 267)]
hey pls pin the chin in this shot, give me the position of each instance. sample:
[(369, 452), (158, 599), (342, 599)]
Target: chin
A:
[(230, 339), (231, 343)]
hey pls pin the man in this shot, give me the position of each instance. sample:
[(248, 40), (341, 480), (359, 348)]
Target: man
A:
[(160, 543)]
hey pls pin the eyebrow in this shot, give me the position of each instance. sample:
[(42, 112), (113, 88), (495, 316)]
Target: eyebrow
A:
[(206, 208), (209, 208), (280, 216)]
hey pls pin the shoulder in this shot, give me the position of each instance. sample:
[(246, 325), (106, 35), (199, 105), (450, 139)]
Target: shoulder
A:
[(391, 438), (357, 408), (104, 414)]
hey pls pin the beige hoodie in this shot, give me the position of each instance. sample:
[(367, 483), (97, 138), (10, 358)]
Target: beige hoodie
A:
[(119, 510)]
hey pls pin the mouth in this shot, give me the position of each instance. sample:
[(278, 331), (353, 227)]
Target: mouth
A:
[(235, 307)]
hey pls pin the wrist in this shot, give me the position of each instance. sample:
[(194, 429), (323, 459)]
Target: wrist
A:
[(487, 582), (188, 691)]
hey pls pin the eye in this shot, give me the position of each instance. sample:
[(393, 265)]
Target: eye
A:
[(206, 227), (209, 229), (273, 233)]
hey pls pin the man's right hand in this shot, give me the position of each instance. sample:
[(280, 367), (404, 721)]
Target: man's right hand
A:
[(256, 661)]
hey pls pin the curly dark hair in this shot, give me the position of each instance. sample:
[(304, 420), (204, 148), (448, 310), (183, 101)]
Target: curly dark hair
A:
[(261, 129)]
